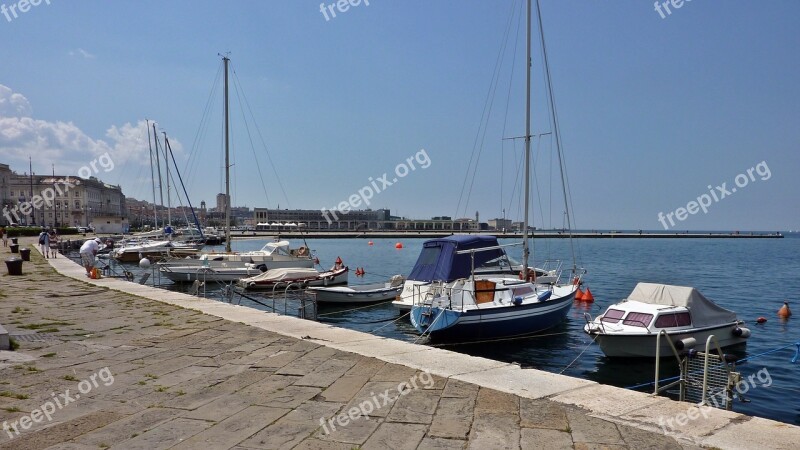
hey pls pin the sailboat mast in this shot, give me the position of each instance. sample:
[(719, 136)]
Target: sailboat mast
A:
[(152, 177), (225, 60), (169, 197), (525, 250), (158, 167)]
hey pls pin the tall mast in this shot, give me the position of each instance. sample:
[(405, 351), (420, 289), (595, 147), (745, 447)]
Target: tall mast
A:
[(525, 250), (225, 60), (169, 197), (158, 166), (152, 177)]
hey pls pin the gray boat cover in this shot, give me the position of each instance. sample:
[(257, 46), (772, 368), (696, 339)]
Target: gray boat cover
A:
[(704, 312)]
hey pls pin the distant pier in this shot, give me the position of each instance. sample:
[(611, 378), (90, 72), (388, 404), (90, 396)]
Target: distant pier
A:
[(376, 234)]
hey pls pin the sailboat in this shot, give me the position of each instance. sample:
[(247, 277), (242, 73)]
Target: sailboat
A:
[(231, 266), (462, 304)]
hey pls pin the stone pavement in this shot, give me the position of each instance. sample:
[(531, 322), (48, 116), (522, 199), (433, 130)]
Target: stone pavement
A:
[(100, 368)]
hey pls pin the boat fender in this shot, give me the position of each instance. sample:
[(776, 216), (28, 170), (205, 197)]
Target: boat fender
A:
[(544, 296), (517, 300), (741, 332), (685, 343)]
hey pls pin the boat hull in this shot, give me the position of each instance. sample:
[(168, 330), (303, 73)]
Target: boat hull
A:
[(337, 278), (335, 295), (189, 274), (491, 323), (644, 346)]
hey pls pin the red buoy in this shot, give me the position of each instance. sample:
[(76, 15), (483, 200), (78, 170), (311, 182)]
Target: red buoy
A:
[(369, 243), (579, 295), (398, 245), (785, 312), (587, 296), (761, 319)]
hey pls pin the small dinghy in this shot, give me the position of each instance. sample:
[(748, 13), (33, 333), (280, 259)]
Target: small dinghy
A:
[(630, 327), (301, 277), (363, 293)]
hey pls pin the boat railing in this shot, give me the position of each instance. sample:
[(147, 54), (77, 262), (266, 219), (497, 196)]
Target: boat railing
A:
[(682, 380)]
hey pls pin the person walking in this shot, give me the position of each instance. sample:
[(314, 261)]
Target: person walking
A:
[(44, 243), (53, 243), (88, 251), (4, 234)]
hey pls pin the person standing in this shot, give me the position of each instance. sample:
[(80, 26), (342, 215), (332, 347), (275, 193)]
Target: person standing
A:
[(44, 243), (53, 243), (88, 251), (4, 234)]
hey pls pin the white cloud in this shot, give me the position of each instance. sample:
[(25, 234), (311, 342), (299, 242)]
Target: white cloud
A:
[(13, 104), (66, 145), (81, 52)]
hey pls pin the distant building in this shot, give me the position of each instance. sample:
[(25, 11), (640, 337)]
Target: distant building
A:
[(500, 224), (5, 181), (318, 220), (60, 200), (222, 202)]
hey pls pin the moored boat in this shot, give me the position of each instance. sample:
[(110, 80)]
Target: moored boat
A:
[(363, 293), (299, 277), (630, 328)]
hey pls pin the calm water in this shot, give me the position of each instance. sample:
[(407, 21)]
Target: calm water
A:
[(750, 276)]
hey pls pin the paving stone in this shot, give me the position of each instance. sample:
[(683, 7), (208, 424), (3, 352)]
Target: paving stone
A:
[(537, 413), (494, 430), (396, 436), (294, 427), (586, 429), (639, 439), (326, 374), (382, 394), (234, 429), (394, 372), (436, 443), (343, 389), (491, 401), (164, 435), (546, 438), (353, 431), (126, 427), (316, 444), (414, 406), (453, 418), (219, 409), (289, 397), (61, 432)]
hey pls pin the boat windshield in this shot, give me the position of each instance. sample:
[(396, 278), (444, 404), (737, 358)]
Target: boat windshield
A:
[(637, 319), (681, 319)]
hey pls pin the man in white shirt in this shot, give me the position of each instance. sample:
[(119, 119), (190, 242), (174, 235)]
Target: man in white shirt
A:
[(88, 251)]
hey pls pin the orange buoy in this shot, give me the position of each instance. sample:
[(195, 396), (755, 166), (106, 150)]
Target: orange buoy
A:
[(579, 295), (785, 312), (369, 243), (761, 320), (398, 245), (587, 296)]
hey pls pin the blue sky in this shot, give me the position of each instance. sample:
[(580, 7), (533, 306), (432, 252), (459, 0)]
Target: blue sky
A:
[(652, 110)]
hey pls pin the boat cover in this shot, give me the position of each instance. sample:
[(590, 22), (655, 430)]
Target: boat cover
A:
[(439, 261), (293, 273), (704, 311)]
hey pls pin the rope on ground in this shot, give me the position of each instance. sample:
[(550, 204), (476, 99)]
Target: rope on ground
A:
[(579, 354)]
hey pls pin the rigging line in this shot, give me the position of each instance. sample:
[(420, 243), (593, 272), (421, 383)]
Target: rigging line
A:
[(580, 354), (556, 129), (202, 127), (264, 144), (236, 87), (510, 338), (383, 303), (508, 102), (499, 69), (386, 325), (483, 114)]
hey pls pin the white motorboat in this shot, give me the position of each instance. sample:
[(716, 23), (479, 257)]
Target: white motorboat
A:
[(223, 273), (629, 328), (362, 293), (135, 250)]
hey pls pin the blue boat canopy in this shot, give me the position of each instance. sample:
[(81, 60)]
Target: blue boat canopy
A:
[(438, 260)]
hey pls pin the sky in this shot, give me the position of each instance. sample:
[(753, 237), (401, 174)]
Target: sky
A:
[(660, 113)]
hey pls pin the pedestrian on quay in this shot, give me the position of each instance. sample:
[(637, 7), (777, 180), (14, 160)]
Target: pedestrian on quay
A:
[(44, 243), (53, 243), (88, 251), (4, 234)]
